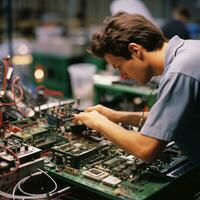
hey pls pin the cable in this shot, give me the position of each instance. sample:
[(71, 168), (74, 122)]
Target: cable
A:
[(15, 82), (32, 194), (142, 117), (8, 71), (6, 67), (1, 118), (16, 186), (10, 196), (11, 94)]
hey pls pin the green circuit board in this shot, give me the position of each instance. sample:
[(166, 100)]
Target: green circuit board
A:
[(117, 175)]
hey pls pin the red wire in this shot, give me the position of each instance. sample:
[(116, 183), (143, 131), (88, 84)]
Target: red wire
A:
[(6, 66), (1, 119), (16, 82), (49, 91), (8, 104)]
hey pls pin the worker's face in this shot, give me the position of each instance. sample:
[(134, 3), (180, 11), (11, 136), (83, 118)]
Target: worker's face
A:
[(134, 68)]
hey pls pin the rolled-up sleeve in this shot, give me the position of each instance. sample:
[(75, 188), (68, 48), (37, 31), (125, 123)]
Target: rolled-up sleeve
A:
[(176, 99)]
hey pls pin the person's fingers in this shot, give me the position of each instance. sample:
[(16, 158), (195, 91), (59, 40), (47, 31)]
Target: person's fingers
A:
[(90, 109), (97, 107), (78, 118)]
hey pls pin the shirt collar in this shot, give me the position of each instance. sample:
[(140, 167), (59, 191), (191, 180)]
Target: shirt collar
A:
[(173, 45)]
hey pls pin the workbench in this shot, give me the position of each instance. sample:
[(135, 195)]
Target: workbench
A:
[(104, 87)]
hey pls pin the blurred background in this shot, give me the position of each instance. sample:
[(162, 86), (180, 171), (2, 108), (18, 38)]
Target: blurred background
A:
[(47, 42)]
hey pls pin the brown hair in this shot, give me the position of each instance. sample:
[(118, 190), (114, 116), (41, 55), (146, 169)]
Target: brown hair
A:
[(122, 29)]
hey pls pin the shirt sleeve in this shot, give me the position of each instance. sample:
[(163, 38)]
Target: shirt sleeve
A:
[(175, 104)]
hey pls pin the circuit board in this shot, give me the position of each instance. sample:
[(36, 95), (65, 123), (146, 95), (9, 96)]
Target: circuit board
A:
[(29, 159), (114, 173), (47, 129), (23, 151), (35, 133), (83, 157)]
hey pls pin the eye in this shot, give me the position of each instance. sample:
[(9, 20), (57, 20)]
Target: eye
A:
[(119, 67)]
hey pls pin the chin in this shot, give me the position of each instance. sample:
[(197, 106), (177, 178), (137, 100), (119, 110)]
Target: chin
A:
[(142, 82)]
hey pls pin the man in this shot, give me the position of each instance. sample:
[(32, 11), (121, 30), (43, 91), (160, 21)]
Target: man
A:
[(177, 25), (137, 48)]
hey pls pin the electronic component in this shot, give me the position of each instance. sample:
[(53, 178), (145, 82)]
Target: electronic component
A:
[(80, 152), (118, 175), (17, 160), (95, 174), (79, 155), (111, 181), (23, 151), (57, 113), (24, 169), (35, 133)]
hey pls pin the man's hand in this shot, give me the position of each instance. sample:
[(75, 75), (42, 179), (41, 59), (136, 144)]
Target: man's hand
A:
[(91, 119), (107, 112), (141, 146), (119, 116)]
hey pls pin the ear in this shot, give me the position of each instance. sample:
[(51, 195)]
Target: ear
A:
[(135, 50)]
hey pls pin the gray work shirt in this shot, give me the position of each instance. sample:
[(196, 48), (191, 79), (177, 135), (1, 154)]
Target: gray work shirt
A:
[(176, 114)]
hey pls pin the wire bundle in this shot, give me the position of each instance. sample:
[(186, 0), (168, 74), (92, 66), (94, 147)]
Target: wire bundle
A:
[(13, 85), (27, 195)]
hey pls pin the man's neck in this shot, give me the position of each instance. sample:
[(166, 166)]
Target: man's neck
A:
[(156, 60)]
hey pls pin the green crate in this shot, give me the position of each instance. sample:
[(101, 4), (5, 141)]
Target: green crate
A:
[(56, 76)]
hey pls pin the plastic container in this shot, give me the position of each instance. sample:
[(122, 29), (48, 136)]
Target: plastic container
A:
[(82, 82)]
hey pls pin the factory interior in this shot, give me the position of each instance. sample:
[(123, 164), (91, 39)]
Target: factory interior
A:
[(99, 99)]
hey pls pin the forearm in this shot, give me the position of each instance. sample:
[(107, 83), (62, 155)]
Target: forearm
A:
[(141, 146), (132, 142), (132, 118)]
